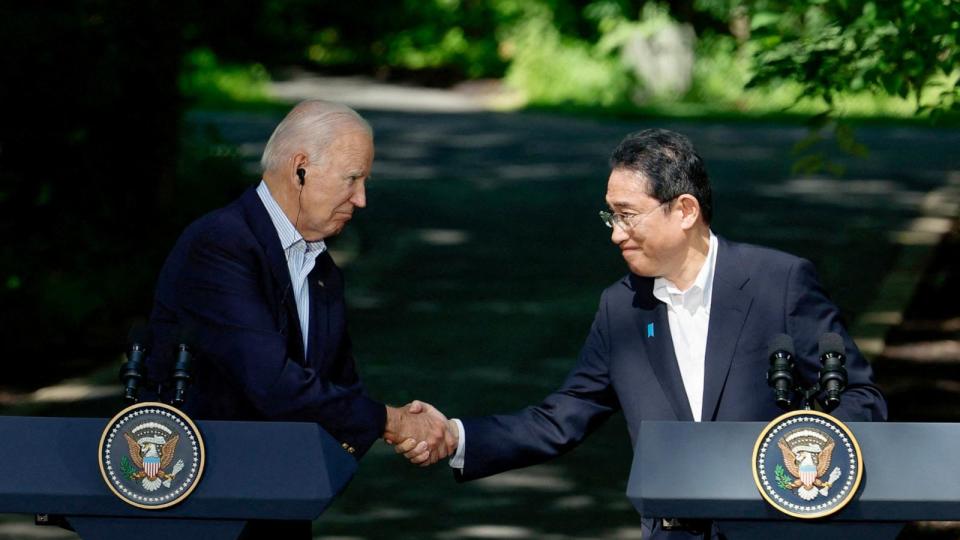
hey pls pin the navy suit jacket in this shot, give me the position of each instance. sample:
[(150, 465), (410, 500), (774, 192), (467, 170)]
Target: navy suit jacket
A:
[(227, 283), (628, 362)]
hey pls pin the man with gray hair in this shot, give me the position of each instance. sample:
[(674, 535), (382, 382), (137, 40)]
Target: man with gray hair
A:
[(254, 285)]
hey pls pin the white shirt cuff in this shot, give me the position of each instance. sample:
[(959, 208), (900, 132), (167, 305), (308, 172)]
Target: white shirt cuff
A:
[(457, 460)]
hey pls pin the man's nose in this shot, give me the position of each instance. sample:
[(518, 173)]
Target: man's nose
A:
[(359, 198), (617, 234)]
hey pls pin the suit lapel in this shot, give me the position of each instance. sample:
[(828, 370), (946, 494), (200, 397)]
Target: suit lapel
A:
[(266, 234), (655, 338), (729, 307), (320, 283)]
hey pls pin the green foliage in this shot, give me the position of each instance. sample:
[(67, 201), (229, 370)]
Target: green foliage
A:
[(783, 480), (905, 48), (458, 35), (207, 82), (846, 57), (721, 70), (553, 69), (127, 468), (13, 282), (94, 84)]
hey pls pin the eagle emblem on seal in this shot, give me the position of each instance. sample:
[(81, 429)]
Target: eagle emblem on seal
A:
[(806, 455), (152, 447)]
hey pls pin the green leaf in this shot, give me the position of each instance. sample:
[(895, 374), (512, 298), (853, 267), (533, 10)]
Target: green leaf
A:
[(127, 468), (765, 18), (847, 141), (834, 168), (811, 139), (783, 479), (808, 164)]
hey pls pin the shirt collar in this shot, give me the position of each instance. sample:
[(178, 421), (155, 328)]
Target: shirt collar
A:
[(289, 236), (700, 291)]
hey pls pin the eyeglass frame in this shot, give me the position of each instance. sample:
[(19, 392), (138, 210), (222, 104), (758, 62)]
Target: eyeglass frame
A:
[(619, 219)]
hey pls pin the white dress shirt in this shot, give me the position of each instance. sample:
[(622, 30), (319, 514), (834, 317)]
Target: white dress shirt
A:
[(688, 314), (300, 254)]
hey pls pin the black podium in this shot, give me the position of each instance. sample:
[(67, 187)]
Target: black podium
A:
[(254, 470), (703, 471)]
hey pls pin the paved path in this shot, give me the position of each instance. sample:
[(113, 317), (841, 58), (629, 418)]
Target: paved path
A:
[(458, 169), (902, 196), (467, 203)]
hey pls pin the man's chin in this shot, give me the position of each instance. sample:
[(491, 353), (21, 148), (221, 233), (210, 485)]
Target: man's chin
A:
[(334, 230), (322, 235), (640, 269)]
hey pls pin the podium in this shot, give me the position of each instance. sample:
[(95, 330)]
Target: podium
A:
[(703, 470), (254, 471)]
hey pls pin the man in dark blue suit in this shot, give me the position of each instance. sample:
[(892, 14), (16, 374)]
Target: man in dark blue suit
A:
[(255, 289), (682, 337)]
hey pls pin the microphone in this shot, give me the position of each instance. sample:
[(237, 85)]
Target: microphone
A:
[(182, 368), (833, 375), (780, 374), (131, 372)]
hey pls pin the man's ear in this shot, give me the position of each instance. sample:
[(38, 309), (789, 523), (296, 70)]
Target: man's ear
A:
[(299, 163), (690, 210)]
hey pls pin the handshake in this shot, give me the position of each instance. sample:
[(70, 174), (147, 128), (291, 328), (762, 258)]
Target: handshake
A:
[(421, 433)]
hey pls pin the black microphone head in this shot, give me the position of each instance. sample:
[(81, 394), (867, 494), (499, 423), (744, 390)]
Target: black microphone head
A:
[(832, 343), (781, 342), (139, 333)]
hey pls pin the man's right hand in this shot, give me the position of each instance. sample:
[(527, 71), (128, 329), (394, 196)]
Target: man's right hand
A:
[(422, 432)]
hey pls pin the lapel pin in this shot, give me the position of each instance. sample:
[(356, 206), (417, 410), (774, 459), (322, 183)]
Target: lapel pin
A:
[(650, 330)]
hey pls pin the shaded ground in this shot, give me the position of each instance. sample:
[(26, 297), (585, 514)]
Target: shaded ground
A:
[(475, 272), (919, 368)]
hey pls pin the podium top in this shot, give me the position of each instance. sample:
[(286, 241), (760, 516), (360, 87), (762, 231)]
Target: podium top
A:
[(702, 470), (254, 470)]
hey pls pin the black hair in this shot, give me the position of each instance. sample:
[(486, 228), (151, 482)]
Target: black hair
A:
[(670, 164)]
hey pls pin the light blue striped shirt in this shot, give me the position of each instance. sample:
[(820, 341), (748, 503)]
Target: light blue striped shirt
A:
[(301, 256)]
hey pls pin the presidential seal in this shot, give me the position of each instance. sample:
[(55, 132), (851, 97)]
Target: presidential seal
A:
[(807, 464), (151, 455)]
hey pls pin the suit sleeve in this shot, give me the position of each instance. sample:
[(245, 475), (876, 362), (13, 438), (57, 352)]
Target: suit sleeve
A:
[(538, 433), (810, 314), (222, 295)]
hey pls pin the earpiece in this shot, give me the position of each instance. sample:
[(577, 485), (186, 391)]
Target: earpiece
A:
[(302, 174)]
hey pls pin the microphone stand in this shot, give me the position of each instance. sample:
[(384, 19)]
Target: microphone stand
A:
[(808, 395)]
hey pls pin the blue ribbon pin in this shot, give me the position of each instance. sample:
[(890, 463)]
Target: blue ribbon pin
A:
[(650, 330)]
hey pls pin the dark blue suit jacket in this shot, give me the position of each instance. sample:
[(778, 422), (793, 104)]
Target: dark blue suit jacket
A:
[(627, 364), (227, 282)]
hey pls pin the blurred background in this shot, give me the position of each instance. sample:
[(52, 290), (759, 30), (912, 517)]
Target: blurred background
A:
[(829, 128)]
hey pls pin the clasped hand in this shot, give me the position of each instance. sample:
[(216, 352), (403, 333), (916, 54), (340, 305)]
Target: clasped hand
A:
[(421, 433)]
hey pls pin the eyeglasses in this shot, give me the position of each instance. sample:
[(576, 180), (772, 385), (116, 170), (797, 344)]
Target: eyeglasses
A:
[(627, 222)]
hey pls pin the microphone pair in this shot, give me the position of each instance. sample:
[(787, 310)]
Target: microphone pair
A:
[(832, 377), (131, 372)]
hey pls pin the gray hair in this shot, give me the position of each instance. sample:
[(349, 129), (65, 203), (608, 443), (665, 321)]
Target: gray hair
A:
[(310, 128)]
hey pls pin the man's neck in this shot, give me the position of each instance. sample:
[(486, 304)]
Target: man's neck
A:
[(285, 200), (698, 247)]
